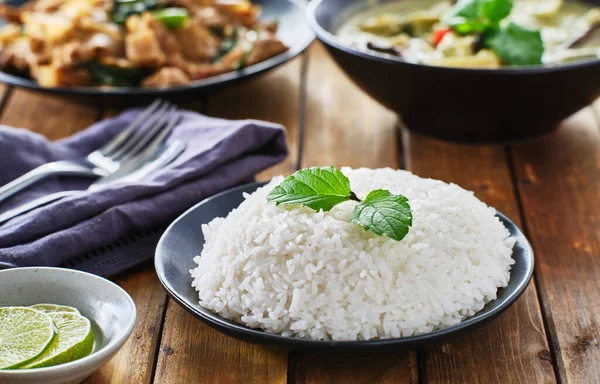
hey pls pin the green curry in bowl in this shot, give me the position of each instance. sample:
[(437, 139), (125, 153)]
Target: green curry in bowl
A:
[(478, 33)]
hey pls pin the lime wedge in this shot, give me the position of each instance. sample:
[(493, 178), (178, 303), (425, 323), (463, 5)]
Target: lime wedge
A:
[(74, 341), (49, 308), (24, 335)]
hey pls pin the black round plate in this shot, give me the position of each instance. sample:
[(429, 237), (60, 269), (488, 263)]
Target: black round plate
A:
[(183, 240), (293, 31)]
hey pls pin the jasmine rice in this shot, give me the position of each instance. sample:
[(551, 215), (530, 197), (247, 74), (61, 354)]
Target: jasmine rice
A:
[(296, 272)]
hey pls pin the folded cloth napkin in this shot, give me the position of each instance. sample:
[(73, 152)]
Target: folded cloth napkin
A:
[(113, 229)]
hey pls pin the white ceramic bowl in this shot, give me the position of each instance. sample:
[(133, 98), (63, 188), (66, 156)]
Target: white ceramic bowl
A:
[(110, 309)]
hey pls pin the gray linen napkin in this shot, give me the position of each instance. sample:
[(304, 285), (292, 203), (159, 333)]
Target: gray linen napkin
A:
[(108, 231)]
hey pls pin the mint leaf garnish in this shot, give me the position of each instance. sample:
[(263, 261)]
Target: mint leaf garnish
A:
[(323, 188), (384, 213), (486, 12), (469, 9), (514, 44), (317, 188), (496, 10), (517, 45)]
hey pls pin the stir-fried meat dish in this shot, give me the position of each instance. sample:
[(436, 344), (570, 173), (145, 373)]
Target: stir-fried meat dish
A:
[(148, 43)]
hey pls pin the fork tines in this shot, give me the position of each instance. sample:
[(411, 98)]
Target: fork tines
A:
[(152, 126)]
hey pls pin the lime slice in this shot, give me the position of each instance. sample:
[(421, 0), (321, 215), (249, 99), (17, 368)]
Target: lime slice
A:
[(74, 341), (24, 335), (49, 308)]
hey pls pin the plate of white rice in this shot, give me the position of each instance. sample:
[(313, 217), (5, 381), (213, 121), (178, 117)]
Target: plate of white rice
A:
[(292, 276)]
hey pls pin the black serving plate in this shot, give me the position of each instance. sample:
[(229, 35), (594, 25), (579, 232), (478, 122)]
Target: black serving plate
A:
[(460, 104), (183, 240), (293, 31)]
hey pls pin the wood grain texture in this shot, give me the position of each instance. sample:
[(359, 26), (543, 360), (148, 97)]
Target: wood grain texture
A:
[(558, 179), (56, 118), (512, 348), (344, 127), (558, 188), (275, 97), (134, 363), (191, 351), (52, 117), (4, 92), (385, 369)]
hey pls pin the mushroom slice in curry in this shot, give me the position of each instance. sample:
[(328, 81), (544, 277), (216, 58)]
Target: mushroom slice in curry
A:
[(467, 34)]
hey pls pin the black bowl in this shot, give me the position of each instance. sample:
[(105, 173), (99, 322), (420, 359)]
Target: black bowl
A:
[(293, 31), (183, 240), (472, 105)]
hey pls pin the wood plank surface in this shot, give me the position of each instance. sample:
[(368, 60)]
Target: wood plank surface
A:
[(549, 186), (275, 97), (386, 369), (512, 348), (50, 116), (344, 127), (190, 351), (558, 179), (134, 363), (136, 360), (57, 118)]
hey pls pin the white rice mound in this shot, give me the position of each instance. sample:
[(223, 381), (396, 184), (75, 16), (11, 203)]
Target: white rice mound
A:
[(296, 272)]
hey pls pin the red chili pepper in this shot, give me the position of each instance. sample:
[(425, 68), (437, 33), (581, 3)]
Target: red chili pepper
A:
[(439, 34)]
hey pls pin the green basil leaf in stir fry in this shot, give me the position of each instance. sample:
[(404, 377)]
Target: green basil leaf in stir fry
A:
[(122, 9), (227, 44), (172, 18), (248, 46), (116, 76), (517, 45), (218, 30)]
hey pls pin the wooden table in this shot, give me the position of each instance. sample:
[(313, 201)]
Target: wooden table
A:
[(549, 186)]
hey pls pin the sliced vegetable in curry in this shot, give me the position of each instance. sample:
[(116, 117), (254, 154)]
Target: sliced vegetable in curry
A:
[(479, 33)]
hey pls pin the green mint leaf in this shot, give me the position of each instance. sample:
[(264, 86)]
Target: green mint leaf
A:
[(496, 10), (465, 27), (477, 16), (384, 213), (467, 9), (516, 45), (317, 188), (465, 17)]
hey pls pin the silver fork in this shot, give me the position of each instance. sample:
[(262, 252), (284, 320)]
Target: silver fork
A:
[(106, 160), (155, 157)]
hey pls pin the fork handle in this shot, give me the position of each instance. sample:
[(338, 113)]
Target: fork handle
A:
[(39, 202), (55, 168)]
